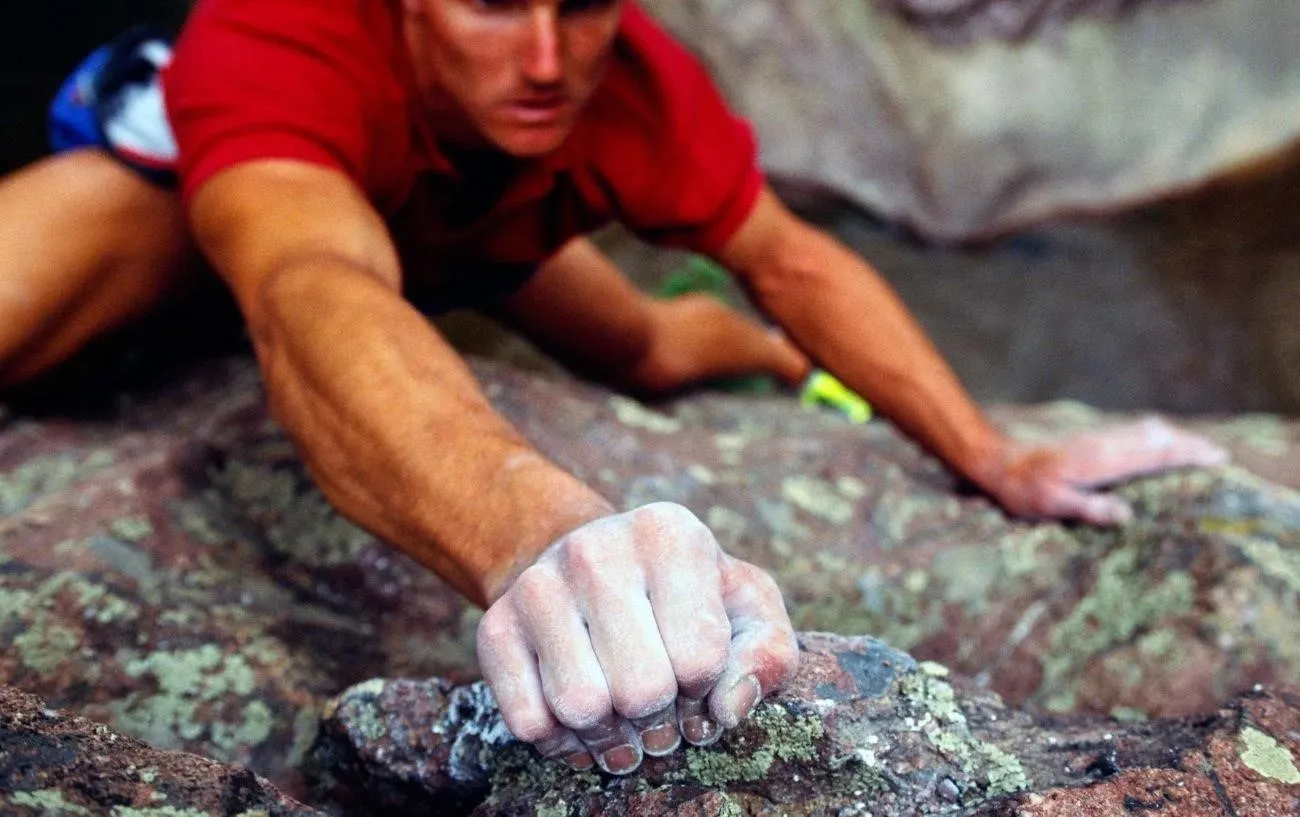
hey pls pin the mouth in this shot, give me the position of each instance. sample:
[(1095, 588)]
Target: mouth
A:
[(538, 110)]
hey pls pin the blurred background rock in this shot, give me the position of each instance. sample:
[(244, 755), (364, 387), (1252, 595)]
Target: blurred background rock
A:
[(1187, 303)]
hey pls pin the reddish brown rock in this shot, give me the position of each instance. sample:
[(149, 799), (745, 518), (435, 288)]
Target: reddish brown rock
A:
[(166, 568), (863, 729), (54, 764)]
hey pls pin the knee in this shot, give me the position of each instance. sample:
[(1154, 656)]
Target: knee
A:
[(98, 190)]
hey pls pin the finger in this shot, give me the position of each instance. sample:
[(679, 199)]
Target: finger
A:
[(697, 725), (510, 669), (659, 733), (1150, 445), (689, 614), (614, 744), (569, 748), (571, 678), (695, 630), (1104, 510), (624, 635), (764, 652)]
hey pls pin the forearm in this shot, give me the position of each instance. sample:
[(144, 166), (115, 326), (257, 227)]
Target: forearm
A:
[(397, 434), (849, 320)]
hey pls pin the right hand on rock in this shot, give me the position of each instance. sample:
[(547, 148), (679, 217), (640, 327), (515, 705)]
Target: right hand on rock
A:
[(630, 633)]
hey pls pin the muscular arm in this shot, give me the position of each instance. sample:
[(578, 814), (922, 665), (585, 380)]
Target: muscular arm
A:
[(844, 315), (389, 420), (839, 310), (607, 636)]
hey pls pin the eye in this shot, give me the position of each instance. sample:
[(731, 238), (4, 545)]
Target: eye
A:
[(572, 7), (499, 5)]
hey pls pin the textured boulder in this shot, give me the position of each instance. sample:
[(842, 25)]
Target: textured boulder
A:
[(862, 729), (910, 108), (54, 764), (166, 568)]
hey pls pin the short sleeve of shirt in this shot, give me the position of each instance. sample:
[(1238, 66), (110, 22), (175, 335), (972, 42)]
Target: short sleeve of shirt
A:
[(686, 173), (271, 79)]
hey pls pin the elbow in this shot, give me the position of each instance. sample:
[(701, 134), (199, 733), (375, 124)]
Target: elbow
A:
[(305, 289), (795, 266)]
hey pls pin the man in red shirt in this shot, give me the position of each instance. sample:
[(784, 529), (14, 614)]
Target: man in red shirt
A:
[(341, 158)]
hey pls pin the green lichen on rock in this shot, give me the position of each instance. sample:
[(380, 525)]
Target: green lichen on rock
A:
[(298, 521), (132, 528), (819, 498), (635, 415), (157, 811), (1273, 560), (785, 736), (190, 684), (1123, 601), (899, 612), (363, 713), (1265, 755), (41, 476), (48, 801), (45, 642), (255, 727), (1265, 433), (928, 692), (947, 731), (516, 768), (46, 645), (556, 809)]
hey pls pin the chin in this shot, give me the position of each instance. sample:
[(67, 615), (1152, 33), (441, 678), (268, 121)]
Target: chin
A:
[(531, 142)]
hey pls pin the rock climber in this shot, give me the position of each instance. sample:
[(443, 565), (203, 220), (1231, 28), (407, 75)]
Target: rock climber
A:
[(339, 162)]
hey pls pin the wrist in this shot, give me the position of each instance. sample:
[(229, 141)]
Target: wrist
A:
[(560, 504), (984, 459)]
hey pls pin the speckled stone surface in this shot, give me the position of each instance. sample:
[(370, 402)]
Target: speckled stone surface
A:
[(862, 729), (167, 569), (55, 764)]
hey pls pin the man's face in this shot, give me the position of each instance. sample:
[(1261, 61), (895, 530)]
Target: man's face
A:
[(519, 70)]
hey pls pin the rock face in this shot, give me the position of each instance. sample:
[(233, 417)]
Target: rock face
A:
[(862, 729), (165, 567), (908, 108), (53, 764), (968, 21)]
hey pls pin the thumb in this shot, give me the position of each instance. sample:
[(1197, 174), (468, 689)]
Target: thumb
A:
[(764, 652)]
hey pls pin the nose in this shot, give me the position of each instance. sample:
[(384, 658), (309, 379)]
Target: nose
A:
[(544, 62)]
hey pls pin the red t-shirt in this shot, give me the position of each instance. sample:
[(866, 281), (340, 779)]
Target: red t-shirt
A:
[(329, 82)]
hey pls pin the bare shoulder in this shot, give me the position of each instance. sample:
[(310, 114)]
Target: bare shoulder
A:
[(255, 217)]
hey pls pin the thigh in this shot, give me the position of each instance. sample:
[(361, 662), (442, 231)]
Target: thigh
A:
[(85, 245)]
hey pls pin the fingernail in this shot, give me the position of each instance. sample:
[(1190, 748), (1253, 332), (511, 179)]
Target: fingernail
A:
[(661, 740), (700, 731), (580, 762), (620, 759), (744, 696)]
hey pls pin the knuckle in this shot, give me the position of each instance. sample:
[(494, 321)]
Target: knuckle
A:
[(666, 517), (785, 652), (535, 587), (702, 670), (766, 585), (644, 697), (581, 706), (530, 726), (496, 626), (665, 528), (759, 582), (584, 555)]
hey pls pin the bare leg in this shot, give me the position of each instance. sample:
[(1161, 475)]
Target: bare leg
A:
[(85, 245), (581, 308)]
